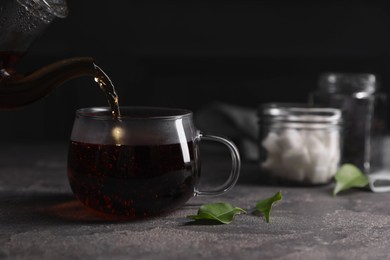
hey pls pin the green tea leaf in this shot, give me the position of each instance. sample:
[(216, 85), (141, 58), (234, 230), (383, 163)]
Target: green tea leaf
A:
[(347, 177), (220, 212), (264, 206)]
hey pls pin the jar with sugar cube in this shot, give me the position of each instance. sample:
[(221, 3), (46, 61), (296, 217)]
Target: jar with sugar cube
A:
[(299, 144)]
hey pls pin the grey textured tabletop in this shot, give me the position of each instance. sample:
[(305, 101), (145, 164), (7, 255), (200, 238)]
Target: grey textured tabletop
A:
[(40, 219)]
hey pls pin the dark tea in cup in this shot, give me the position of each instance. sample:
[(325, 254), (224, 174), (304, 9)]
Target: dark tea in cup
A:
[(145, 164)]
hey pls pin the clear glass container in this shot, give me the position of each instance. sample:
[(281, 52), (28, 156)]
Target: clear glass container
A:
[(21, 22), (299, 144), (364, 111)]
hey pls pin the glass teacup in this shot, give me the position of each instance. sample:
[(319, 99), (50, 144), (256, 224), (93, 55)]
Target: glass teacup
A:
[(145, 164)]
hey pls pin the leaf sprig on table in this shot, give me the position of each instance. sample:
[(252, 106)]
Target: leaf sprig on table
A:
[(265, 206), (224, 213), (218, 212), (349, 176)]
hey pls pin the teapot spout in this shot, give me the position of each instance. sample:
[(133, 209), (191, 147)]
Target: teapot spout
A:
[(21, 91)]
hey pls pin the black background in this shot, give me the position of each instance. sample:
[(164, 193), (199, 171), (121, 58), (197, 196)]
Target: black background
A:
[(191, 53)]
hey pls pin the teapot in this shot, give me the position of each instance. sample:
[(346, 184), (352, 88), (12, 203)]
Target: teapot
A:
[(21, 21)]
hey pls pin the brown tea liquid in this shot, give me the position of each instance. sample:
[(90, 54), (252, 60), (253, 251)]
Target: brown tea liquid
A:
[(108, 88), (134, 181), (8, 60)]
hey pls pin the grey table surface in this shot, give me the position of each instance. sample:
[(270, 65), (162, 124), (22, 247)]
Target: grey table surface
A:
[(40, 219)]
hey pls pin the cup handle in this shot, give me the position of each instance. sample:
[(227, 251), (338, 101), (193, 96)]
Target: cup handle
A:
[(236, 165)]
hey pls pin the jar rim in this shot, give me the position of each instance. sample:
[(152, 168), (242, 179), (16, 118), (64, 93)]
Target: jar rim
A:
[(300, 113), (348, 83)]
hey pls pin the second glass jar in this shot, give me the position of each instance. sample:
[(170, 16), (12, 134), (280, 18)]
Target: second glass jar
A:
[(364, 108)]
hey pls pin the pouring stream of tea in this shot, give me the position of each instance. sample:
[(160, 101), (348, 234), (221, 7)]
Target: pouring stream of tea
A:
[(108, 88)]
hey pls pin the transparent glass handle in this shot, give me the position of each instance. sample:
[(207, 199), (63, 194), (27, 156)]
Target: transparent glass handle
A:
[(236, 165)]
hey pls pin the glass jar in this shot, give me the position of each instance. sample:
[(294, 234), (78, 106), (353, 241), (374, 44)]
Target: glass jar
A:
[(364, 111), (299, 144)]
